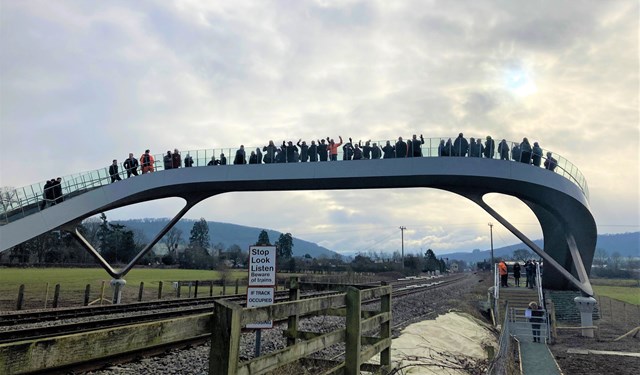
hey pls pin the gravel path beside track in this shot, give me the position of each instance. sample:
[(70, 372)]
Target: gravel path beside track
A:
[(406, 309)]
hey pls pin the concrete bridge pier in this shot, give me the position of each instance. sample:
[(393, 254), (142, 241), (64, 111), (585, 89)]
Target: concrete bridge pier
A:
[(585, 306)]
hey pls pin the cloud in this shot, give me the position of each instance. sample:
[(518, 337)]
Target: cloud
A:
[(85, 83)]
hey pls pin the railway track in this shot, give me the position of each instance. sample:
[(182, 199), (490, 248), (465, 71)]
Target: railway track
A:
[(99, 318)]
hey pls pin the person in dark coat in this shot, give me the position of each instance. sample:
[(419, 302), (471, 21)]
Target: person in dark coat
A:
[(57, 190), (131, 165), (313, 151), (415, 150), (113, 171), (489, 148), (212, 162), (347, 150), (290, 150), (460, 146), (47, 194), (503, 150), (188, 161), (357, 152), (323, 150), (241, 156), (530, 269), (223, 159), (168, 160), (448, 148), (536, 318), (253, 158), (366, 149), (281, 155), (304, 151), (525, 151), (536, 154), (176, 159), (401, 148), (550, 163), (515, 152), (389, 151), (474, 151), (259, 155), (516, 273), (376, 153), (270, 153), (441, 148)]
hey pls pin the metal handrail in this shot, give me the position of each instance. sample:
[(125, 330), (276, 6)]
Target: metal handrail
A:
[(496, 282), (26, 200), (539, 285)]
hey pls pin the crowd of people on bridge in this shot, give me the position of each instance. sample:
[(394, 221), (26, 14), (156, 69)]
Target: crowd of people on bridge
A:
[(529, 269), (326, 149)]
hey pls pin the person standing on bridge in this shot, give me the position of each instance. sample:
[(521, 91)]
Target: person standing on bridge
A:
[(516, 273), (460, 146), (304, 151), (536, 154), (525, 151), (503, 150), (414, 149), (131, 165), (147, 162), (489, 148), (333, 148), (550, 163), (323, 150), (401, 148), (504, 274), (188, 161), (313, 152), (113, 171), (241, 156), (176, 159), (223, 159), (375, 151), (389, 151)]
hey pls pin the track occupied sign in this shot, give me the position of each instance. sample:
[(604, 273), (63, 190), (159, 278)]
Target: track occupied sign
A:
[(262, 280)]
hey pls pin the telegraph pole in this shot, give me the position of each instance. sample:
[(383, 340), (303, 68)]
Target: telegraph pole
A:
[(402, 228), (491, 232)]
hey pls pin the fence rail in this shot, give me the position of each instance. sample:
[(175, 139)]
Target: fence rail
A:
[(229, 318)]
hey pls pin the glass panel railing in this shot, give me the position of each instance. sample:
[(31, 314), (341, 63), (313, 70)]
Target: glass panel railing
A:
[(19, 202)]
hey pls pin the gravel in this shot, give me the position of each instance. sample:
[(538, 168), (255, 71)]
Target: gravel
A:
[(406, 310)]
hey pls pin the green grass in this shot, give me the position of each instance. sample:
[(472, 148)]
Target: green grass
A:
[(74, 280), (616, 282), (621, 293)]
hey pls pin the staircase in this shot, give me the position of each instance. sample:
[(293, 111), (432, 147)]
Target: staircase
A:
[(518, 298)]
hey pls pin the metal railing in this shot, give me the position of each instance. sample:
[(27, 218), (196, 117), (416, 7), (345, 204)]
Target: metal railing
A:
[(539, 284), (500, 362), (525, 325), (23, 201)]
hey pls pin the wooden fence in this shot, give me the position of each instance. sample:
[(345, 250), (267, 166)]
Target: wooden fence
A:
[(229, 318)]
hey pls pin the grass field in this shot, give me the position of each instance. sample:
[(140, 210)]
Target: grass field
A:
[(627, 290), (74, 280)]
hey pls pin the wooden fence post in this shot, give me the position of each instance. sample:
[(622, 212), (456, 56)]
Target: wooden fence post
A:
[(56, 296), (292, 321), (225, 338), (140, 291), (46, 295), (237, 285), (353, 341), (385, 330), (195, 290), (20, 297), (87, 294), (160, 290), (178, 289), (211, 288), (224, 287)]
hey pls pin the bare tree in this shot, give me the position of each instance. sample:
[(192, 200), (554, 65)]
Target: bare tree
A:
[(172, 240), (8, 197)]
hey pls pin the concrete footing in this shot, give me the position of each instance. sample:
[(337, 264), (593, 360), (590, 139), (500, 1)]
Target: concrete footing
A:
[(585, 306), (117, 285)]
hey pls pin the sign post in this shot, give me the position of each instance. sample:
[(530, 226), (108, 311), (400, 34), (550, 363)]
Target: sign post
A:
[(261, 285)]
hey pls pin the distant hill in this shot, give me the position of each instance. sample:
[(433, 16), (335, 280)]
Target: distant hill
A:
[(227, 234), (627, 244)]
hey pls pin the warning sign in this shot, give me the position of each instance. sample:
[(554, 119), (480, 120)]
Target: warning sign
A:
[(262, 266), (260, 296)]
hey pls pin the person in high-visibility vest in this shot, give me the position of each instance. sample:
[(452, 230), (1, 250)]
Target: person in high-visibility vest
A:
[(504, 273), (146, 162)]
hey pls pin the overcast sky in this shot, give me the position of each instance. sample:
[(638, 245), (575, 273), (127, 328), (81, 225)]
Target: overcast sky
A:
[(84, 82)]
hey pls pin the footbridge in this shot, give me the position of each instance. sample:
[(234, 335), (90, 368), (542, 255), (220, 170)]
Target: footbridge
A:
[(559, 198)]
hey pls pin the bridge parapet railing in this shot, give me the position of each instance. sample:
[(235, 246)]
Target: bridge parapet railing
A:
[(16, 203), (229, 318)]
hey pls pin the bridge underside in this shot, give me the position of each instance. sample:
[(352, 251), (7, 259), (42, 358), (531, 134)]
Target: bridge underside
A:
[(567, 224)]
